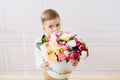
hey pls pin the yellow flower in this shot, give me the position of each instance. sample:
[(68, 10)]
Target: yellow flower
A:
[(65, 36)]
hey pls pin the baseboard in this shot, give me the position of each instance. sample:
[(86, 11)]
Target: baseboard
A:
[(70, 78)]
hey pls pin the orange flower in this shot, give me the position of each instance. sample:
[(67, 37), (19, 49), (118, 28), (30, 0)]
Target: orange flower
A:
[(54, 46), (52, 57)]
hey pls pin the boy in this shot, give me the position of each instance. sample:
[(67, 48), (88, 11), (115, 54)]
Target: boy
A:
[(51, 23)]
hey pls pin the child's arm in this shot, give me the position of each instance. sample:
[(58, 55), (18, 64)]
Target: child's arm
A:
[(38, 58), (39, 61)]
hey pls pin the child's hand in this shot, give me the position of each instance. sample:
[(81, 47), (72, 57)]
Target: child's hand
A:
[(45, 66)]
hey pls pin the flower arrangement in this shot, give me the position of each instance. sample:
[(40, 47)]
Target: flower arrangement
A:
[(62, 48)]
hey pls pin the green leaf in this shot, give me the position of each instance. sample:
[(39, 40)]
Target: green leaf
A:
[(44, 38), (78, 59), (75, 48), (38, 45), (57, 57), (73, 37), (67, 60)]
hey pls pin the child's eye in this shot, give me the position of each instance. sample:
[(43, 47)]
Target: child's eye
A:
[(58, 25), (50, 26)]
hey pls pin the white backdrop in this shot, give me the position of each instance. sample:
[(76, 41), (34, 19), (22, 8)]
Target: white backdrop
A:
[(95, 21)]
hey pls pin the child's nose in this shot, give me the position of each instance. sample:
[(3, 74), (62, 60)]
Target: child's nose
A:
[(55, 28)]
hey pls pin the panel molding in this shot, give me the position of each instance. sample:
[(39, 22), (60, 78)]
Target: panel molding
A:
[(2, 58), (1, 16), (26, 48)]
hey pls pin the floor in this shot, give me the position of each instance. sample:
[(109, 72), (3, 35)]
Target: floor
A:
[(71, 78)]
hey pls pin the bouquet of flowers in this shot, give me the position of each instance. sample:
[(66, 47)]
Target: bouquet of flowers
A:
[(63, 50)]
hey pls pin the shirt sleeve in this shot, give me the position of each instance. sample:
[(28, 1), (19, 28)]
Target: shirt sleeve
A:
[(38, 55)]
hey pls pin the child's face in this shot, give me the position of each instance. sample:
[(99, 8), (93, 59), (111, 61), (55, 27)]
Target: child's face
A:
[(51, 26)]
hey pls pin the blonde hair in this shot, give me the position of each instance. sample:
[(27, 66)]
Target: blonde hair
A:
[(49, 14)]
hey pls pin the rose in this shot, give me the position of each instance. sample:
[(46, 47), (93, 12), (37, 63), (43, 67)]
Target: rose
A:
[(66, 53), (78, 43), (61, 57), (65, 47), (73, 55), (81, 47)]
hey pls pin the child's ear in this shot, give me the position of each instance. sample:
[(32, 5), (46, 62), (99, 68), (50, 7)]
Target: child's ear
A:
[(43, 28)]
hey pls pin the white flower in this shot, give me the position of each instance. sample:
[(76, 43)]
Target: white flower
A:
[(71, 43), (83, 55), (53, 37)]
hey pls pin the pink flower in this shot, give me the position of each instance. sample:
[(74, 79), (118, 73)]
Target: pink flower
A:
[(57, 34), (73, 55), (81, 47), (61, 57), (65, 47), (75, 39)]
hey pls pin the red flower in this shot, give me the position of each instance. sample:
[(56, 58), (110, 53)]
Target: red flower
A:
[(81, 47), (78, 43), (73, 55)]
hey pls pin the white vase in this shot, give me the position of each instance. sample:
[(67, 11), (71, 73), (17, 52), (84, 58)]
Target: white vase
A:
[(60, 67)]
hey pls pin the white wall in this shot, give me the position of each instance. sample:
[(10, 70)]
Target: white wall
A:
[(95, 21)]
